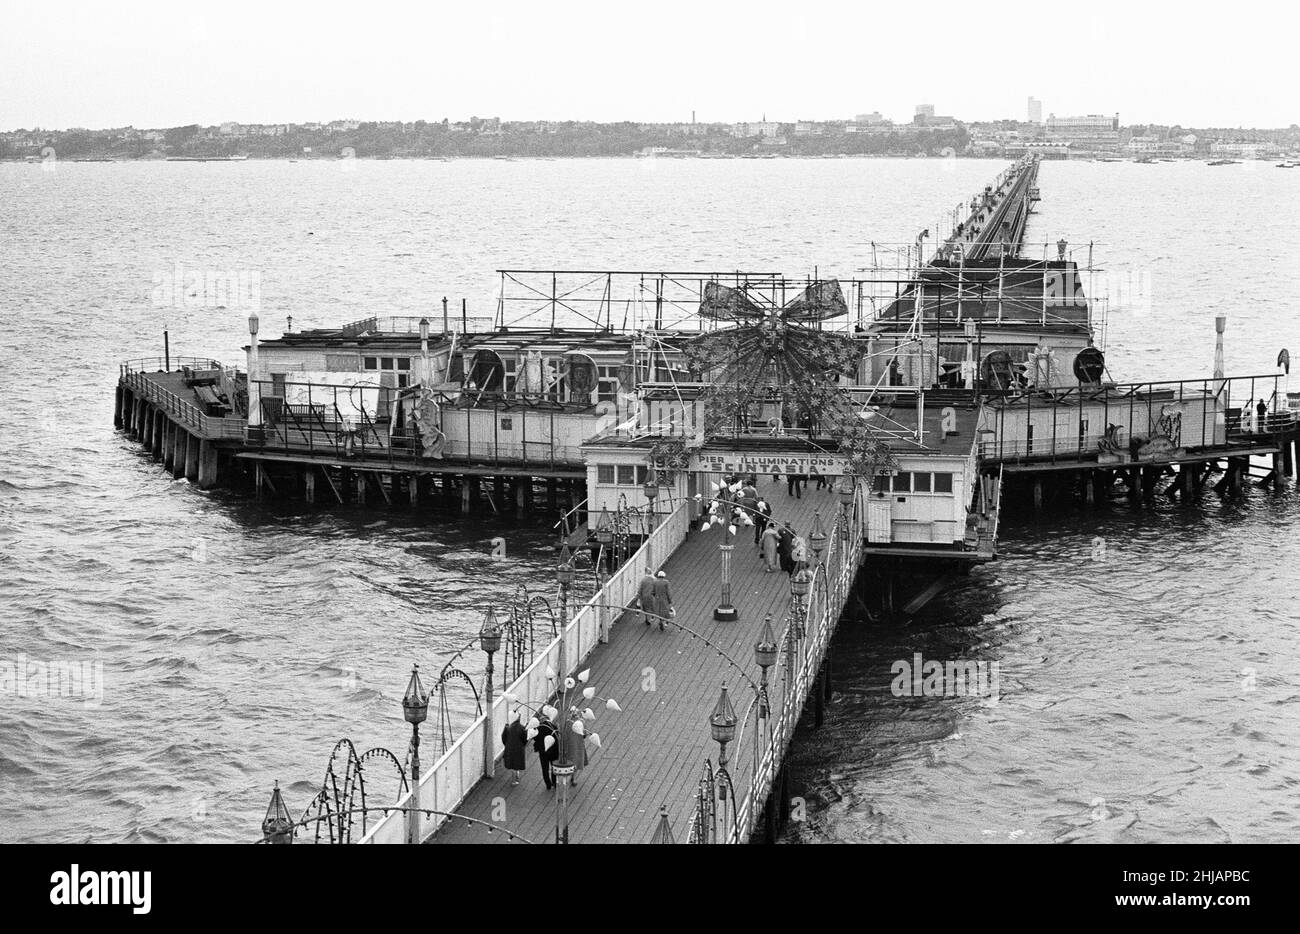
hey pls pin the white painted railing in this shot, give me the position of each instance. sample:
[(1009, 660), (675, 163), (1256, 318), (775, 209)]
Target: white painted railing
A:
[(451, 778)]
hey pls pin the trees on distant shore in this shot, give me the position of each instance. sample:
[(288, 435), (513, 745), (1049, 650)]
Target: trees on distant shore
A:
[(475, 139)]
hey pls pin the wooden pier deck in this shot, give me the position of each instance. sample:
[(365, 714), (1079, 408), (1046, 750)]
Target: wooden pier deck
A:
[(654, 749)]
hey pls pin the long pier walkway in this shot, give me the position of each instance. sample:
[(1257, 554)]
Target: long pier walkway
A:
[(667, 683)]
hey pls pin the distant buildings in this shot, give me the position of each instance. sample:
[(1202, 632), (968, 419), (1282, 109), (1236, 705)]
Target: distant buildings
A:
[(1092, 132), (1035, 114)]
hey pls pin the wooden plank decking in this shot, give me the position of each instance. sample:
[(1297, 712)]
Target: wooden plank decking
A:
[(654, 749)]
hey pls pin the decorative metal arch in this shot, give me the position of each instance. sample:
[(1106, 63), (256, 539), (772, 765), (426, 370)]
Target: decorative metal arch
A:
[(447, 676), (335, 804)]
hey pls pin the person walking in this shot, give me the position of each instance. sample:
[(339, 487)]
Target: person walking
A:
[(762, 512), (645, 595), (546, 757), (785, 542), (577, 746), (748, 497), (515, 740), (794, 485), (1262, 411), (663, 598), (771, 541), (798, 553)]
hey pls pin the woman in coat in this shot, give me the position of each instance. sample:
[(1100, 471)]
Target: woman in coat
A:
[(784, 545), (515, 740), (771, 537), (547, 757)]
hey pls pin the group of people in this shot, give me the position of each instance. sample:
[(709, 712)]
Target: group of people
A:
[(654, 599), (780, 546), (516, 737)]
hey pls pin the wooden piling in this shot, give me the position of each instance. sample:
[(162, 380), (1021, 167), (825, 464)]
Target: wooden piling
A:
[(309, 483)]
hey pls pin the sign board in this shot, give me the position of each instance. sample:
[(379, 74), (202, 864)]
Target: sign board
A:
[(812, 465)]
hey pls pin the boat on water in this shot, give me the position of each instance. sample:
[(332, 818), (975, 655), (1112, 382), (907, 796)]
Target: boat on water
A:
[(1288, 165), (207, 158), (1225, 162)]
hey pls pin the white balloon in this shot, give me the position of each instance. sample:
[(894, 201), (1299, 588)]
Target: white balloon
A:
[(588, 714), (533, 723), (548, 742), (594, 739), (578, 728), (510, 698), (584, 675), (589, 693), (550, 712), (531, 735), (731, 529), (550, 673), (612, 704)]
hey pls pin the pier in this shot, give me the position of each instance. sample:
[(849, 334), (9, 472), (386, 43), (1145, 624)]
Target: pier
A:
[(913, 400)]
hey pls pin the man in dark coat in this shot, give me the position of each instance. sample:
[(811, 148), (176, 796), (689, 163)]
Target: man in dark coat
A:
[(645, 595), (761, 513), (546, 756), (663, 598), (784, 547), (515, 740)]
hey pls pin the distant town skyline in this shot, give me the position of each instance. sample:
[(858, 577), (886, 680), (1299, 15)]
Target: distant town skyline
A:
[(150, 64)]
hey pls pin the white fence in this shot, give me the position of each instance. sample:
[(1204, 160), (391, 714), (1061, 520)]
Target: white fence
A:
[(444, 786)]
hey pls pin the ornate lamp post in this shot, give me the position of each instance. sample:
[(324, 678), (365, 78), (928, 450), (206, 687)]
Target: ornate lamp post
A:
[(415, 707), (817, 538), (489, 639), (765, 655), (726, 611), (604, 538), (277, 826), (651, 490), (564, 575), (255, 431), (564, 572), (847, 494), (800, 587), (664, 831), (722, 724)]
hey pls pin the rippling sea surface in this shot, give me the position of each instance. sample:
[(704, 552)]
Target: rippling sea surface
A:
[(1147, 692)]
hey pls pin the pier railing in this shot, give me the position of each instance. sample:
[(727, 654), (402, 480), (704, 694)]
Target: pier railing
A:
[(1078, 423), (459, 769), (136, 375), (804, 641)]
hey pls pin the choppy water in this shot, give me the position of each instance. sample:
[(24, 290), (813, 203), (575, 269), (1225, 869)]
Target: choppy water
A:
[(237, 641)]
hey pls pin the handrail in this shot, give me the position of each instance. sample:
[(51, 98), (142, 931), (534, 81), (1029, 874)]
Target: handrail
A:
[(459, 769)]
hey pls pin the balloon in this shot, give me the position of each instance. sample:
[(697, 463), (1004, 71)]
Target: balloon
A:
[(551, 712), (550, 673), (731, 529), (594, 739), (534, 723), (548, 742), (578, 728), (699, 496), (588, 714), (510, 698), (612, 704), (589, 693), (584, 675), (531, 735)]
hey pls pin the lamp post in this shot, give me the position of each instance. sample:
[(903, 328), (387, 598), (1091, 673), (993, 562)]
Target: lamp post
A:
[(722, 724), (726, 611), (489, 639), (800, 587), (564, 575), (765, 655), (254, 390), (425, 376), (277, 826), (817, 537), (415, 707), (663, 831), (651, 490), (847, 494), (604, 536)]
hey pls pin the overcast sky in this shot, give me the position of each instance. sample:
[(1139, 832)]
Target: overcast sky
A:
[(150, 63)]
